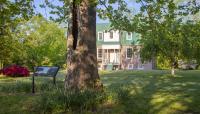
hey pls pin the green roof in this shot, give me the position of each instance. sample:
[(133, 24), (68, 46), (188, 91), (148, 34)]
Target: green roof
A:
[(103, 26), (107, 43)]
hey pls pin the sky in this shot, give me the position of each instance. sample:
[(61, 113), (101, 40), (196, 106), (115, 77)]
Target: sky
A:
[(45, 11)]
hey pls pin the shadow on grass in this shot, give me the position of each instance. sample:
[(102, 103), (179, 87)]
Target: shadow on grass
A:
[(155, 92), (130, 92)]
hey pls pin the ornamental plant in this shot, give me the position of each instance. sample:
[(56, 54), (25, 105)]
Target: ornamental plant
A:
[(15, 71)]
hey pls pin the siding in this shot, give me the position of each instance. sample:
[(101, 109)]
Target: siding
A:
[(134, 41), (119, 37), (125, 62), (135, 61)]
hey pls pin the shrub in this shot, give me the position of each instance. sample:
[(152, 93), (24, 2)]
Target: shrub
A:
[(15, 71), (71, 101), (198, 67)]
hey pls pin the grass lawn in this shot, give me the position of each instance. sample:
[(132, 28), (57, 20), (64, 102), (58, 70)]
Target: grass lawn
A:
[(130, 92)]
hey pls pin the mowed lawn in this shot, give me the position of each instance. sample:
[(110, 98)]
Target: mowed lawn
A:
[(130, 92)]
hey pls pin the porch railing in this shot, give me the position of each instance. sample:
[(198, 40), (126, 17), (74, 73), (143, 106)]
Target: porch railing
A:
[(107, 61)]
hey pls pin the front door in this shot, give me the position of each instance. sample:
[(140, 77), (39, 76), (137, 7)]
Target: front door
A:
[(112, 57)]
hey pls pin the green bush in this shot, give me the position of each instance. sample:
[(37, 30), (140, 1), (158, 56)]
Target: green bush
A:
[(59, 101)]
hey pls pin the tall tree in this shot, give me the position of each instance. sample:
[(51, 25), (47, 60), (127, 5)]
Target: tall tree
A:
[(11, 12), (191, 34), (164, 21), (82, 71), (40, 42)]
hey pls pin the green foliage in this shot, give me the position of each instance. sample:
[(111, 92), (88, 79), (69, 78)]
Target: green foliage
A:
[(62, 12), (192, 41), (162, 30), (69, 101), (118, 15), (166, 31), (163, 63), (30, 43), (41, 42), (11, 13)]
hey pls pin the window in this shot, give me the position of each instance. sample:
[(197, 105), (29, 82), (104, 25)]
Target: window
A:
[(129, 36), (99, 53), (129, 52), (111, 35), (100, 36)]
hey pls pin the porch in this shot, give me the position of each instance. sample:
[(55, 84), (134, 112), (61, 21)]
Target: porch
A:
[(109, 58)]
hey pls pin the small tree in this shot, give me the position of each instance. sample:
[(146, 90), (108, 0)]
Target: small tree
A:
[(164, 23)]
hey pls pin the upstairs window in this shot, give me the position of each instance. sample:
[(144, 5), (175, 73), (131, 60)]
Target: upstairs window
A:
[(129, 53), (129, 36), (111, 35), (100, 36)]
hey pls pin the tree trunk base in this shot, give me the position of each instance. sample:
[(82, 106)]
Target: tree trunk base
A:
[(83, 73), (173, 71)]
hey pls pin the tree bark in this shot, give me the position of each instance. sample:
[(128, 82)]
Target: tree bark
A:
[(173, 71), (173, 66), (82, 71), (154, 62)]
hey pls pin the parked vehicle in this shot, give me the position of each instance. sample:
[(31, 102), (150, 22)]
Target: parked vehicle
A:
[(191, 65)]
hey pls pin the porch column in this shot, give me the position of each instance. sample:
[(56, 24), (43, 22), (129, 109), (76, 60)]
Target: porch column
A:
[(115, 58), (107, 58), (102, 60)]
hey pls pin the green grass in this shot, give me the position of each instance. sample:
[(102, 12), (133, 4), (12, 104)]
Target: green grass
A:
[(128, 92)]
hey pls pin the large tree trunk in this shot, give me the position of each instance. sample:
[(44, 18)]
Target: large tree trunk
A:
[(82, 71)]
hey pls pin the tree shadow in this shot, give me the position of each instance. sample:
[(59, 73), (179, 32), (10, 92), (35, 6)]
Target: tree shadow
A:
[(155, 92)]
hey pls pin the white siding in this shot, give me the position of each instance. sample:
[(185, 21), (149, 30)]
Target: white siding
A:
[(110, 46), (115, 36)]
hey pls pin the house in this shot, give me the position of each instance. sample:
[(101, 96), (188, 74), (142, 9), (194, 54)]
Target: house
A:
[(118, 49)]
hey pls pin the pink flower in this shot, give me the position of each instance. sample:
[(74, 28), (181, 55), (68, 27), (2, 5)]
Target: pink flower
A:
[(15, 71)]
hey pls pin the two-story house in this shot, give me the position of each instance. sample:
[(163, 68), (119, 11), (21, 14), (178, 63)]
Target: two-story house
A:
[(118, 49)]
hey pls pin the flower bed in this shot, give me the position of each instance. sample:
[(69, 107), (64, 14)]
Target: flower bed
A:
[(15, 71)]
